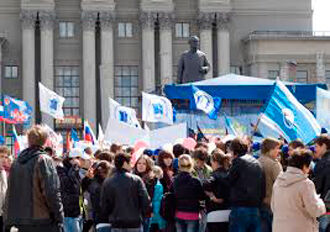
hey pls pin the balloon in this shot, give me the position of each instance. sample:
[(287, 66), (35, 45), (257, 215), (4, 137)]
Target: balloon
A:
[(189, 143), (140, 144)]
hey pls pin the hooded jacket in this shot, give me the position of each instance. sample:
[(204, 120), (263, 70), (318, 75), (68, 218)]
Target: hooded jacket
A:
[(322, 175), (33, 196), (295, 203)]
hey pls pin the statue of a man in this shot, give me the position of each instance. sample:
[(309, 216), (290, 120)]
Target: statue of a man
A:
[(193, 65)]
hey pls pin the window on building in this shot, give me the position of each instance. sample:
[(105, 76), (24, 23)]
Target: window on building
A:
[(327, 76), (273, 74), (126, 85), (302, 76), (67, 85), (182, 30), (66, 29), (11, 71), (125, 30)]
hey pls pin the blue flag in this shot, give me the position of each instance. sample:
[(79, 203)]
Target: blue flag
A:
[(205, 102), (230, 127), (16, 111), (285, 116)]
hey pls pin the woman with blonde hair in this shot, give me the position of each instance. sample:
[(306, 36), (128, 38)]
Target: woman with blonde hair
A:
[(188, 192)]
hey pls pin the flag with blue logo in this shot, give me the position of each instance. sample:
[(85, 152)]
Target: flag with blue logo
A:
[(156, 109), (230, 127), (285, 116), (16, 111), (50, 102), (205, 102), (123, 114)]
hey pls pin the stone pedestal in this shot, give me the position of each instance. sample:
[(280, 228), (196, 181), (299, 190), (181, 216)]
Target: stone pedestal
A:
[(166, 21), (148, 50), (28, 19), (89, 82), (107, 65), (205, 24), (47, 56), (223, 44)]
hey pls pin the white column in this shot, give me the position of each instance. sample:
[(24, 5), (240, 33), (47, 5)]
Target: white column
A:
[(223, 45), (148, 51), (107, 65), (166, 57), (89, 82), (28, 19), (47, 56), (320, 68), (205, 22)]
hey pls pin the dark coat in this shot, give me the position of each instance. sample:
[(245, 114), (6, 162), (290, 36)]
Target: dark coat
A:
[(70, 188), (322, 175), (188, 192)]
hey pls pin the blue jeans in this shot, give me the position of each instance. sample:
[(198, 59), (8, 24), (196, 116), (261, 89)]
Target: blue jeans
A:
[(324, 223), (244, 219), (103, 227), (187, 225), (266, 216), (73, 224)]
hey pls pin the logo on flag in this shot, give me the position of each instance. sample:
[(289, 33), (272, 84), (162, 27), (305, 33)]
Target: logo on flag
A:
[(123, 114), (50, 102), (288, 118)]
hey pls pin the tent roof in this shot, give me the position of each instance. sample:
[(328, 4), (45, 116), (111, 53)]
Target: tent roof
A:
[(232, 86)]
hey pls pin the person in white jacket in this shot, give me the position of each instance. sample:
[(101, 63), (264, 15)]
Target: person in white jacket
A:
[(294, 202)]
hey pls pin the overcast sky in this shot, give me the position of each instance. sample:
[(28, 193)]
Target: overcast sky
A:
[(321, 19)]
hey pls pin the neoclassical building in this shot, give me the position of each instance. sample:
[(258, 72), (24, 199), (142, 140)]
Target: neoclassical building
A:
[(89, 50)]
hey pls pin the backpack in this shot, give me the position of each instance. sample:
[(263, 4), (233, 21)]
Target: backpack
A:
[(167, 207)]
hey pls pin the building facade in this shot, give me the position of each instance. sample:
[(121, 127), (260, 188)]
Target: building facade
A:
[(90, 50)]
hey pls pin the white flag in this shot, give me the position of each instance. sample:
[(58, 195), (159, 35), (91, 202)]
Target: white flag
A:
[(50, 102), (156, 109), (123, 114), (100, 135)]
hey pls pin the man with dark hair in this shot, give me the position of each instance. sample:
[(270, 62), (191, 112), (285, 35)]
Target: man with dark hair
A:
[(322, 175), (33, 201), (247, 189), (124, 198), (293, 145)]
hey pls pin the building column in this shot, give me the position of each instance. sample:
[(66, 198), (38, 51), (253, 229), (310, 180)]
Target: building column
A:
[(47, 19), (166, 58), (1, 42), (28, 19), (148, 50), (320, 68), (223, 44), (107, 63), (205, 23), (89, 74)]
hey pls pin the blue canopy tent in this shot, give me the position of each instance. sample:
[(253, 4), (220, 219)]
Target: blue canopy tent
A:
[(237, 87)]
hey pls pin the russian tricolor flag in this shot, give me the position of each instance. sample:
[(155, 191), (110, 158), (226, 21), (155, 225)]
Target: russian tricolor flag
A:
[(88, 133), (17, 147)]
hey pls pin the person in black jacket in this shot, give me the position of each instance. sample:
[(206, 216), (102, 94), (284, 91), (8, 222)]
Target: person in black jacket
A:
[(124, 198), (247, 190), (322, 176), (217, 188), (71, 191), (33, 200), (188, 192)]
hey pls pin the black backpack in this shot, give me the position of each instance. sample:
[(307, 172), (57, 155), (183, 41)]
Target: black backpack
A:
[(167, 207)]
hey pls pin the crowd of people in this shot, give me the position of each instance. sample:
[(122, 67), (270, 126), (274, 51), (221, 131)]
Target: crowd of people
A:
[(230, 185)]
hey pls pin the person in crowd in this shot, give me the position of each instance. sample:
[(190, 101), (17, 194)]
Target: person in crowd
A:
[(102, 171), (71, 191), (4, 153), (217, 188), (178, 149), (201, 169), (124, 197), (165, 161), (33, 199), (50, 151), (322, 176), (294, 203), (88, 151), (293, 145), (247, 189), (115, 148), (188, 192), (157, 223), (143, 168), (201, 145), (270, 151)]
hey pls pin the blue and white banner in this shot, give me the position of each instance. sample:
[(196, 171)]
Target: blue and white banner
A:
[(123, 114), (285, 116), (50, 102), (206, 102), (156, 109), (323, 108)]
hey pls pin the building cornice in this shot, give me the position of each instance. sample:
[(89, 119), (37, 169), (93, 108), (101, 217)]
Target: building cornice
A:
[(28, 18), (88, 19)]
